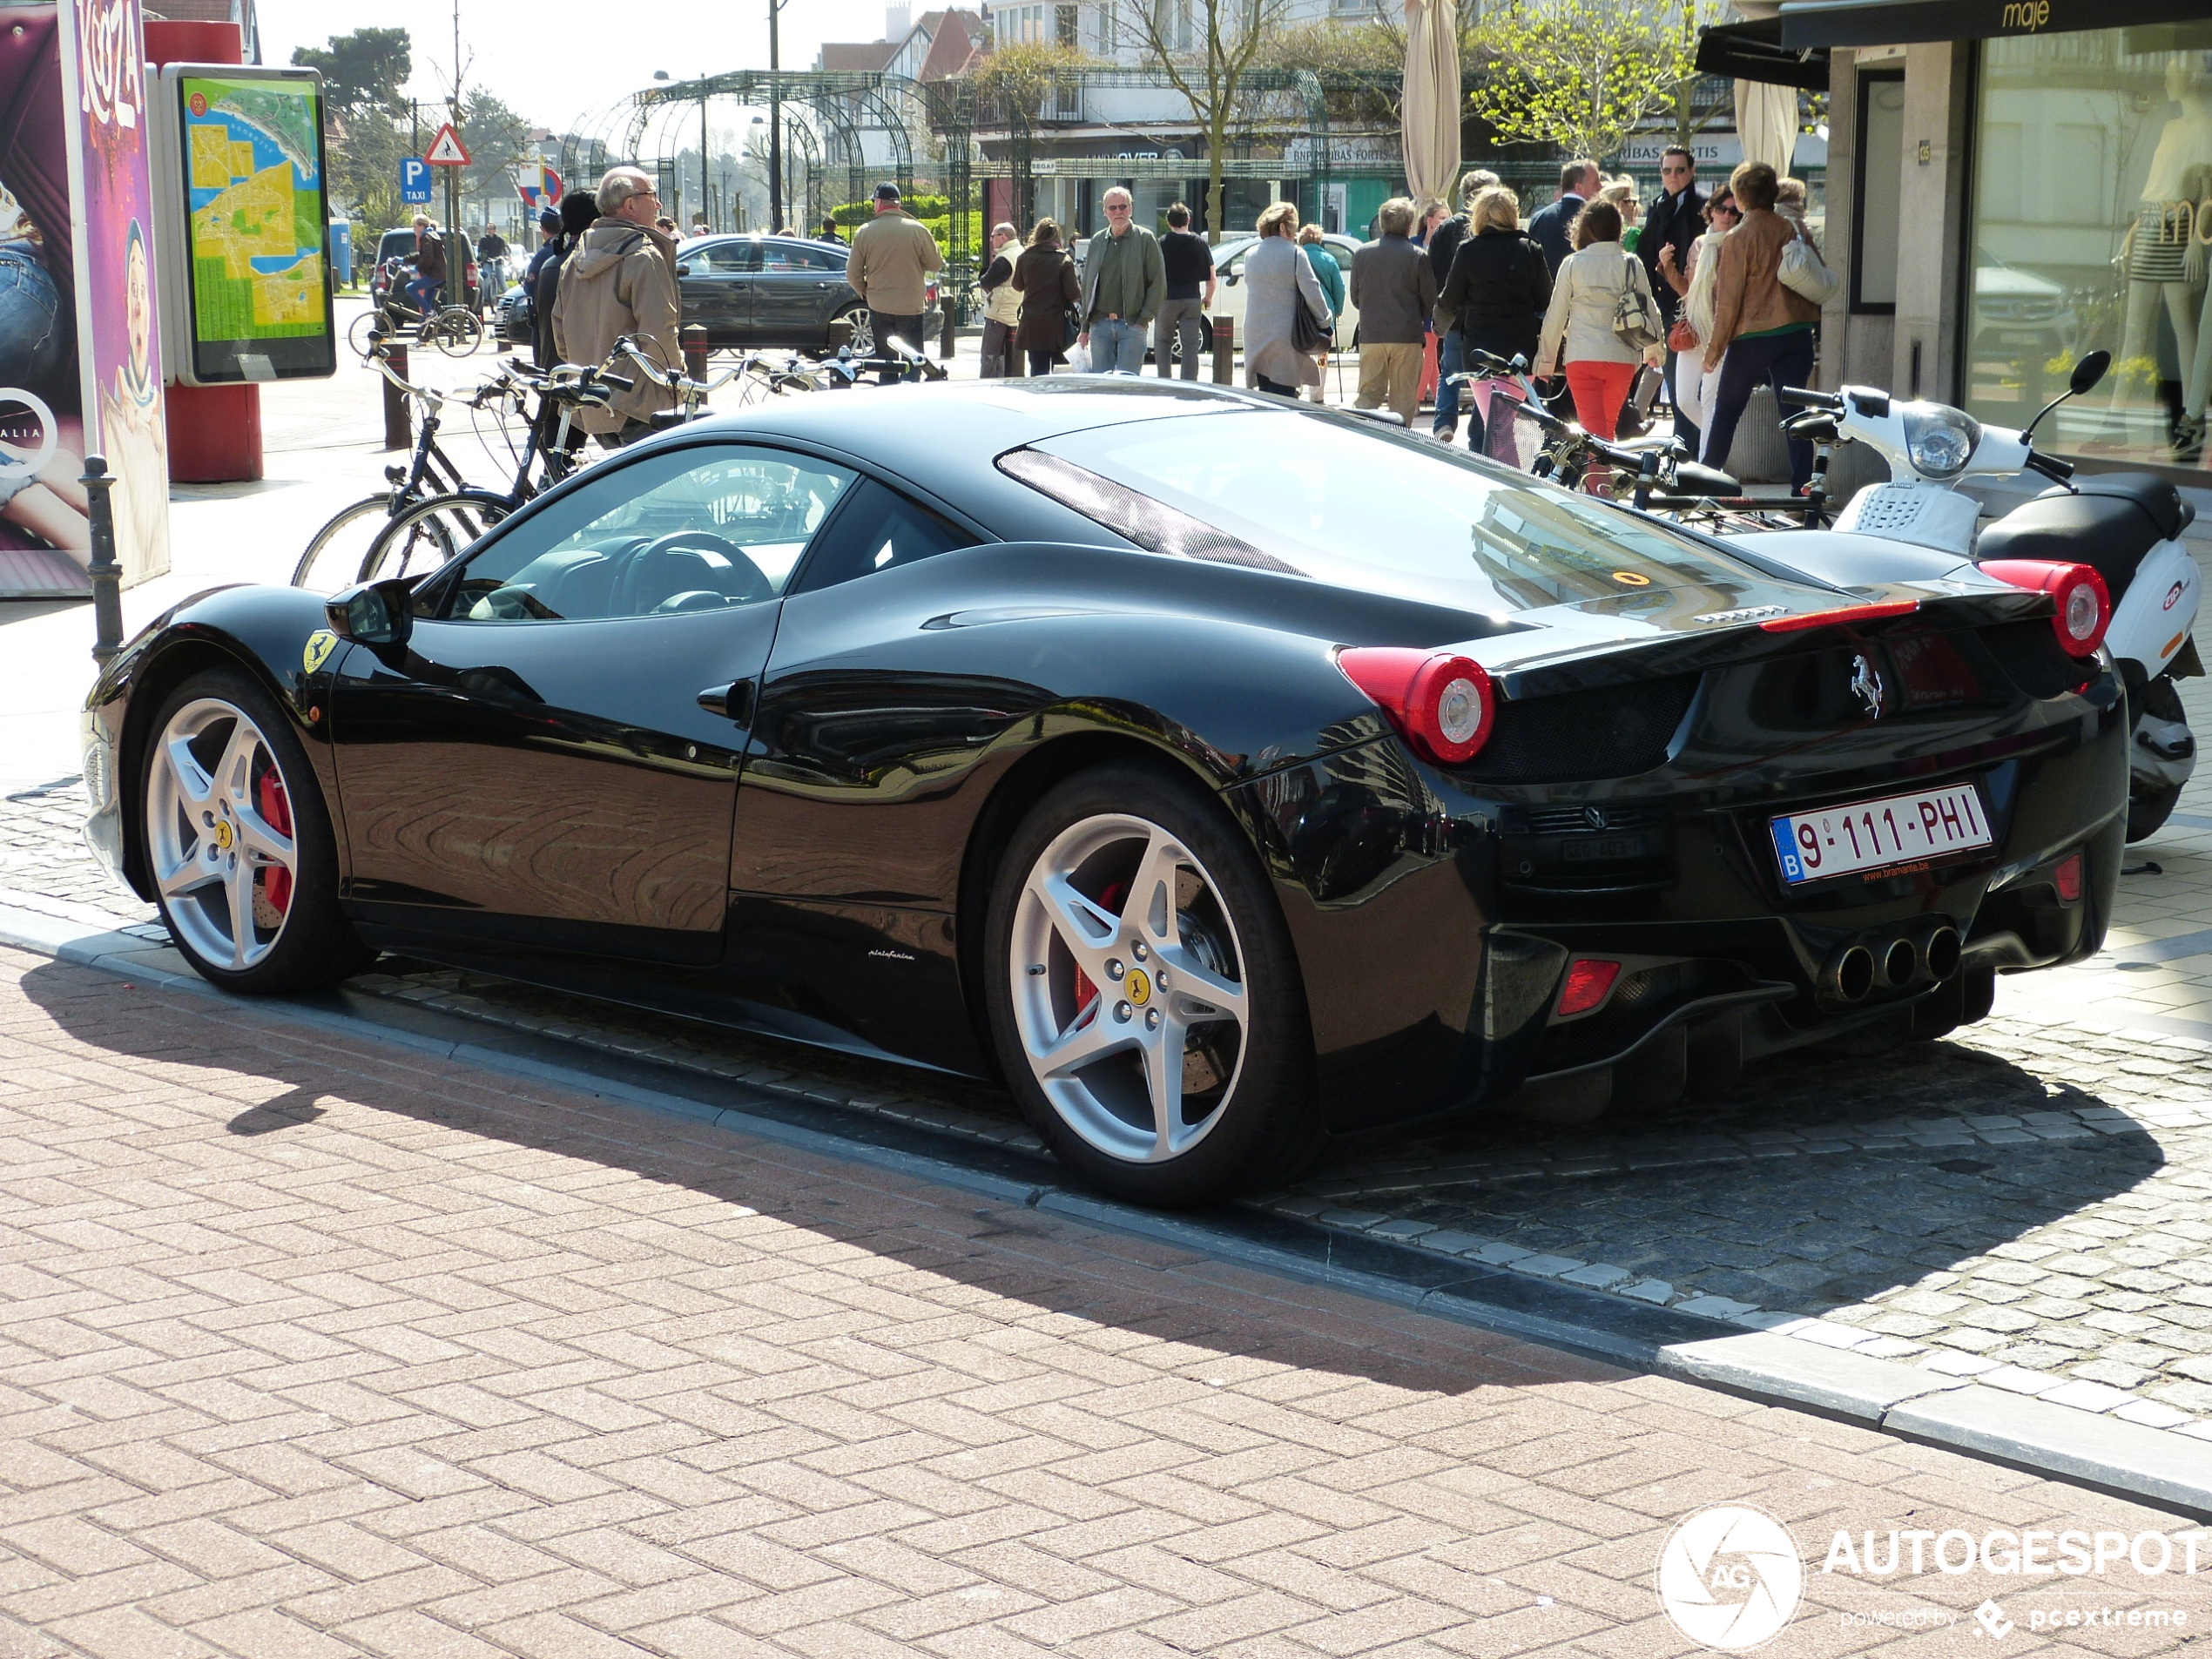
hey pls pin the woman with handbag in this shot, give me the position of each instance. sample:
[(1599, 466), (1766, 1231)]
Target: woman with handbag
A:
[(1286, 316), (1693, 384), (1763, 325), (1602, 319), (1046, 278)]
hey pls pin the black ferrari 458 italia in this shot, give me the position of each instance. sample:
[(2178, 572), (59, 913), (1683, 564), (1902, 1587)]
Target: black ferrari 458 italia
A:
[(1221, 773)]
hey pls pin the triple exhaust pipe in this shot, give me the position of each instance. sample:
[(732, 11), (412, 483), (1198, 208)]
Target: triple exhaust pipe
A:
[(1922, 956)]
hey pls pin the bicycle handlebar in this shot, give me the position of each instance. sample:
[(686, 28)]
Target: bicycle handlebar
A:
[(1800, 397)]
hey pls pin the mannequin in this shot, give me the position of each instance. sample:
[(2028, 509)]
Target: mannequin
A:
[(2198, 391), (2156, 252)]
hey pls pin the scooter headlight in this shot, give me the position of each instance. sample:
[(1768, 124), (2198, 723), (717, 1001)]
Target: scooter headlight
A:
[(1939, 440)]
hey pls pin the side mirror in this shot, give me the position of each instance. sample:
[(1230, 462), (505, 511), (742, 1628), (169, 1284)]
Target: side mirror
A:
[(376, 613), (1231, 280), (2088, 372)]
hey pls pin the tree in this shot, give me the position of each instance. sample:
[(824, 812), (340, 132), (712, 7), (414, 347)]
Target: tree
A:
[(365, 151), (1205, 47), (1359, 66), (1581, 74), (362, 70), (1018, 77)]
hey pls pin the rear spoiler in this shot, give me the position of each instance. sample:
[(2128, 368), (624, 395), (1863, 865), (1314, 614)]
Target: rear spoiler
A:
[(1761, 632)]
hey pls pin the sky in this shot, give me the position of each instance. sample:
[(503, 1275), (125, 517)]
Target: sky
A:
[(554, 60)]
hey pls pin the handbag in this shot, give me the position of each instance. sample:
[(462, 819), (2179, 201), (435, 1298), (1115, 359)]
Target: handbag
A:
[(1635, 315), (1307, 336), (1682, 337), (1805, 273)]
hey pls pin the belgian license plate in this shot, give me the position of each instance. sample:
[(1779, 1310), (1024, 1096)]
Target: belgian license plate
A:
[(1876, 834)]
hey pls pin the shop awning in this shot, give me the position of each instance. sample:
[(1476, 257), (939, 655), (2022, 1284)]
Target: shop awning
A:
[(1753, 52), (1809, 24)]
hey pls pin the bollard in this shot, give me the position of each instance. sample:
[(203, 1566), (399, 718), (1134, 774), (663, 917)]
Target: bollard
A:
[(1224, 350), (397, 432), (695, 351), (106, 574)]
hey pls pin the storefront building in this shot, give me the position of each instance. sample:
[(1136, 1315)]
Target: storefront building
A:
[(2009, 188)]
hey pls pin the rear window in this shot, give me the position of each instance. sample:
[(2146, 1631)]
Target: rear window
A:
[(1315, 497)]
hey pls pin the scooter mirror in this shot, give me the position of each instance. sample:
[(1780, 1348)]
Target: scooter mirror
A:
[(2088, 372)]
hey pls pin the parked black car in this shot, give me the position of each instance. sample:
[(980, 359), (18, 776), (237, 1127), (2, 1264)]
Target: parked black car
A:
[(773, 290), (1220, 771)]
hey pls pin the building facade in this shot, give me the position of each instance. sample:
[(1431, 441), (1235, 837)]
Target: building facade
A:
[(2012, 186)]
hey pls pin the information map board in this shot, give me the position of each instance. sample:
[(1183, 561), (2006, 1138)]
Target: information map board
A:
[(249, 143)]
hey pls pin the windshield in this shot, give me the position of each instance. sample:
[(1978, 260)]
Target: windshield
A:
[(1384, 512)]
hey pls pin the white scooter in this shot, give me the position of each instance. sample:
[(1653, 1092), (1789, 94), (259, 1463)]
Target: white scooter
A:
[(2127, 526)]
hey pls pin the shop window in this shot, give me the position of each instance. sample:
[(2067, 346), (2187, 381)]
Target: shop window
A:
[(1875, 192), (2092, 224)]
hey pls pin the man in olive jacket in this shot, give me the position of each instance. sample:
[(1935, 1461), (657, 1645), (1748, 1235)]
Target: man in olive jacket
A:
[(1125, 283), (892, 255), (621, 279)]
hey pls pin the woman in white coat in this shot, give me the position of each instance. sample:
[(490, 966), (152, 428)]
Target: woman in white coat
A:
[(1276, 281)]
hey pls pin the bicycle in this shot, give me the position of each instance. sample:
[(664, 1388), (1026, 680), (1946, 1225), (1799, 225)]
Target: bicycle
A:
[(426, 534), (1661, 478), (425, 518), (339, 551), (453, 329)]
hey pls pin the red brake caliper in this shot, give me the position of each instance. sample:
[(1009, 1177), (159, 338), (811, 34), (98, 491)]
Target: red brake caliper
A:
[(1086, 992), (276, 808)]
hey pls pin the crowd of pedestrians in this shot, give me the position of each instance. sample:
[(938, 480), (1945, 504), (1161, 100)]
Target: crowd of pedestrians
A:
[(1606, 298)]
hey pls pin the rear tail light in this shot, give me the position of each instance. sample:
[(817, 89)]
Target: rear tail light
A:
[(1441, 705), (2084, 602), (1589, 981), (2067, 878)]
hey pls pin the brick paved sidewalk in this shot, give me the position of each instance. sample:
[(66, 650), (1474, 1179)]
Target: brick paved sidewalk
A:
[(307, 1349)]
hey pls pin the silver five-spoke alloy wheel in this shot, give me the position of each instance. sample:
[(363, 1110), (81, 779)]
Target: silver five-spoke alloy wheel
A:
[(219, 834), (1128, 988)]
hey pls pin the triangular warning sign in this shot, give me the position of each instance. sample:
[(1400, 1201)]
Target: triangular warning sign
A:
[(445, 149)]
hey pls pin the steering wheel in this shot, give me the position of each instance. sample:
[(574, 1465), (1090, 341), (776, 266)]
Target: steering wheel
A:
[(753, 582)]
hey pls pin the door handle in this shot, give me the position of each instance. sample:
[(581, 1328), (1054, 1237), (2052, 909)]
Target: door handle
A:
[(732, 702)]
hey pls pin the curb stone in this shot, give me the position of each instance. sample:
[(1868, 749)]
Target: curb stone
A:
[(2160, 1465)]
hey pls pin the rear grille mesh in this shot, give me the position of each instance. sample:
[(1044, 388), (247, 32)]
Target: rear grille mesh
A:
[(2033, 660), (1608, 731)]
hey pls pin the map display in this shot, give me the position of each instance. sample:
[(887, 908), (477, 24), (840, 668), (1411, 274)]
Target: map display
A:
[(260, 294)]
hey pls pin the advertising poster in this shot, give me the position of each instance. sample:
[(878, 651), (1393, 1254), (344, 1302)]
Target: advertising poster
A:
[(118, 355), (250, 145), (45, 541)]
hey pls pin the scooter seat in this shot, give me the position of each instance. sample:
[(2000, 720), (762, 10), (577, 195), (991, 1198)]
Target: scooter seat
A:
[(2110, 523)]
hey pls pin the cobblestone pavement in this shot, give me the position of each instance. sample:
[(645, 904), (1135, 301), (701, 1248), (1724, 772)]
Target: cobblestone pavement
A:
[(2030, 1202), (310, 1349)]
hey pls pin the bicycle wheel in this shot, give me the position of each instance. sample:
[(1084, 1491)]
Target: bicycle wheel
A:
[(427, 534), (337, 551), (456, 331), (358, 331)]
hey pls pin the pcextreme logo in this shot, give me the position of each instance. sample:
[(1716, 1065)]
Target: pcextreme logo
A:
[(1730, 1577)]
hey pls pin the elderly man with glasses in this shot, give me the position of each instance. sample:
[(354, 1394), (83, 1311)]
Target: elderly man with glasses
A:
[(1125, 282), (621, 279), (1676, 218)]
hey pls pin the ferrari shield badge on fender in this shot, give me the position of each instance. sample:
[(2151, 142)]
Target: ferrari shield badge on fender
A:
[(321, 644)]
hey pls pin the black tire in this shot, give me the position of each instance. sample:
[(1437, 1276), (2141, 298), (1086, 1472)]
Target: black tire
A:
[(426, 535), (310, 943), (1263, 1124), (2148, 808), (337, 551)]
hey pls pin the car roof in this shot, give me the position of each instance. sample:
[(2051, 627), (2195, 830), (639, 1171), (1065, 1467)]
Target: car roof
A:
[(725, 238)]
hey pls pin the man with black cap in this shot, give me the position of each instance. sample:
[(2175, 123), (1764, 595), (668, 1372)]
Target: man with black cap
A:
[(891, 259)]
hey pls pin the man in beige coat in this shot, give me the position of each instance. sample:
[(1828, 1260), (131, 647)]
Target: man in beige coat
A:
[(892, 256), (621, 279)]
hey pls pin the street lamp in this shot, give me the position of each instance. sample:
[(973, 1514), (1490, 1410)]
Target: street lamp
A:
[(775, 120)]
